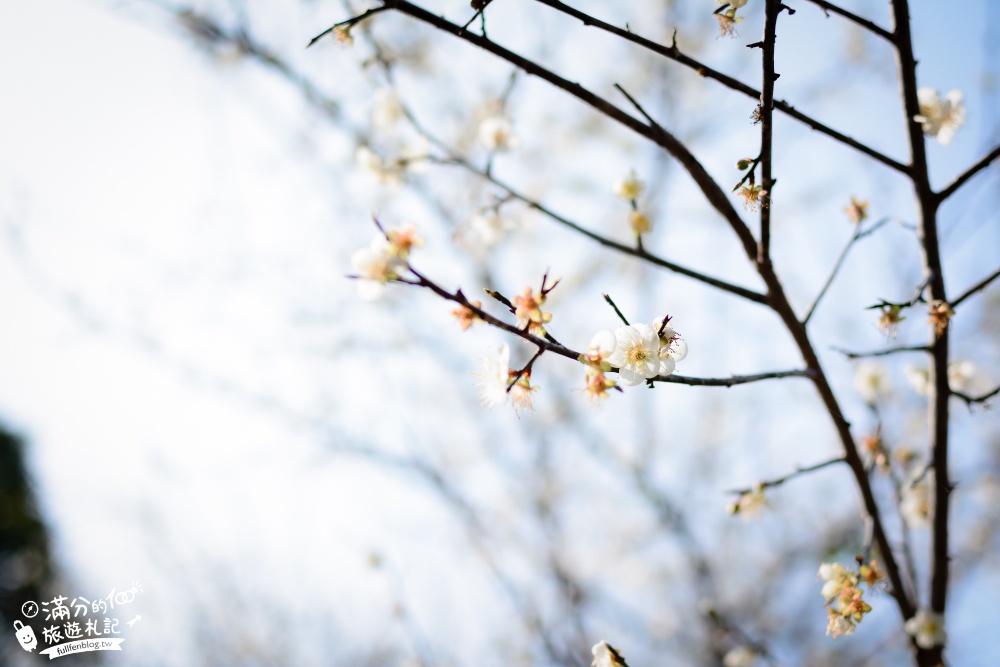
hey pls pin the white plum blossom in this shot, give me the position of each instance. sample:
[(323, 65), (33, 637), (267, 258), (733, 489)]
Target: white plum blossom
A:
[(376, 265), (605, 655), (870, 382), (636, 354), (496, 134), (493, 377), (838, 625), (961, 375), (602, 345), (672, 347), (387, 108), (915, 502), (926, 628), (940, 118), (488, 229)]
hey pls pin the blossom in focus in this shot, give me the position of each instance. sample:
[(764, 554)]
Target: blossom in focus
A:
[(940, 118), (870, 382), (672, 347), (629, 187), (605, 655), (376, 265), (636, 354), (926, 628), (857, 211), (496, 134), (596, 359), (529, 313), (753, 195)]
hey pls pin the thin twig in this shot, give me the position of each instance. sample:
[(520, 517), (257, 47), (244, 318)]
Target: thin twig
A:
[(855, 237), (348, 23), (799, 470), (968, 173), (972, 400), (672, 52), (882, 353), (975, 288), (615, 306), (829, 7)]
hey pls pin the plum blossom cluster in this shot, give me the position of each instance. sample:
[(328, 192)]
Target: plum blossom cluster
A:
[(384, 260), (638, 352), (844, 597)]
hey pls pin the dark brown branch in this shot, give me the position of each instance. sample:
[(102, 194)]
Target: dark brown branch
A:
[(731, 381), (972, 400), (883, 353), (781, 480), (975, 288), (715, 195), (968, 173), (771, 10), (674, 53), (640, 253), (831, 8), (938, 389), (549, 346)]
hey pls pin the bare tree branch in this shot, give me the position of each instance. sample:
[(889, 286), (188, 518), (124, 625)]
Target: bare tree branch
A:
[(938, 389), (982, 398), (829, 8), (968, 173), (855, 237), (883, 353), (975, 288), (544, 345), (799, 470), (673, 53)]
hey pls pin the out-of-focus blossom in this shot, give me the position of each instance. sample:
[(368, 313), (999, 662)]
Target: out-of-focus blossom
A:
[(940, 118)]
